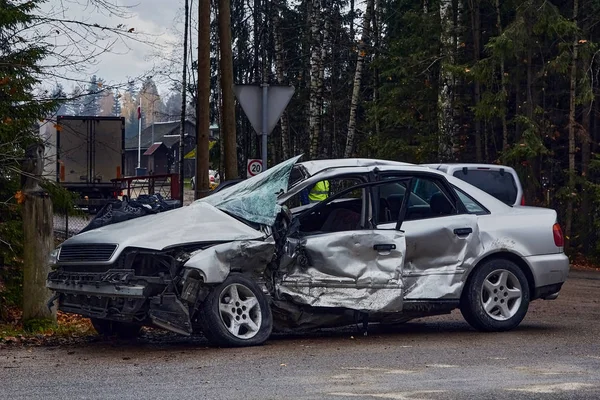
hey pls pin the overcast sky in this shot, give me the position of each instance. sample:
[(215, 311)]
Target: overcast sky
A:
[(156, 18)]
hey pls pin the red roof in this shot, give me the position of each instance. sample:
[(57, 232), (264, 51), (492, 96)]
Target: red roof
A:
[(152, 149)]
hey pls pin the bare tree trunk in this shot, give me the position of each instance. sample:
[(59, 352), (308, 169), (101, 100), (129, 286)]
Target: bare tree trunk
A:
[(203, 101), (529, 89), (585, 164), (315, 40), (476, 28), (503, 81), (572, 127), (279, 67), (320, 100), (38, 232), (352, 16), (360, 61), (376, 41), (183, 105), (446, 126), (228, 128)]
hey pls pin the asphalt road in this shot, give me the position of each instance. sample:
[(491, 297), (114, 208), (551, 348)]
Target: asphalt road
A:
[(554, 354)]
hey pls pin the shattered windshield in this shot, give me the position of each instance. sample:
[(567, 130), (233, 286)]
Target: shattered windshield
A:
[(255, 199)]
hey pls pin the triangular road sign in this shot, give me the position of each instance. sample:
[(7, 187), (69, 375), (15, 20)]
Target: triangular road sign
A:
[(250, 98)]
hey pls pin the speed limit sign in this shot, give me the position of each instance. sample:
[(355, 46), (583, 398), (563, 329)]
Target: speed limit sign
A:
[(254, 167)]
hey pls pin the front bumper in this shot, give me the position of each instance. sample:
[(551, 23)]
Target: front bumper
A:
[(106, 289), (549, 269), (120, 295)]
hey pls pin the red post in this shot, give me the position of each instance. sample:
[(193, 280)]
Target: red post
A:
[(175, 187)]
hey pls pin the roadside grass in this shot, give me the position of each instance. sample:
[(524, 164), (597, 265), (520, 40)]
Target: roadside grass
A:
[(37, 332)]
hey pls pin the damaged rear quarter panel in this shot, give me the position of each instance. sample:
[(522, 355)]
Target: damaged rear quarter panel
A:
[(437, 259)]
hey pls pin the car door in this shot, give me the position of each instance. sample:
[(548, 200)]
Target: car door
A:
[(442, 237), (337, 257)]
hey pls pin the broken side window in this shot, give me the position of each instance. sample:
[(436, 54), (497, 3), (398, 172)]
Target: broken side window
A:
[(342, 209)]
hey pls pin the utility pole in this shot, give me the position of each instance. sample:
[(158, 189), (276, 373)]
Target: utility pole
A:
[(183, 101), (139, 135), (153, 122), (226, 64), (203, 102), (38, 237)]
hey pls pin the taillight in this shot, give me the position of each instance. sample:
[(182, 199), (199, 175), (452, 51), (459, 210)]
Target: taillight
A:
[(523, 200), (559, 239)]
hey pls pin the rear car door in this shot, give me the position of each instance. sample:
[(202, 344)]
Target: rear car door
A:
[(442, 236), (337, 257)]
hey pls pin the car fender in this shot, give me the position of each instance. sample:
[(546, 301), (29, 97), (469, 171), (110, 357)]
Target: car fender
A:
[(215, 263)]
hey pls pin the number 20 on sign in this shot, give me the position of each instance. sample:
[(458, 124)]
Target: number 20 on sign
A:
[(255, 167)]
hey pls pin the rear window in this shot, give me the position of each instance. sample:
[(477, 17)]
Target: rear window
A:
[(500, 185)]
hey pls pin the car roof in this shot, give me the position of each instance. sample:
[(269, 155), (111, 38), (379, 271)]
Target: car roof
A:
[(316, 166), (324, 169), (456, 166)]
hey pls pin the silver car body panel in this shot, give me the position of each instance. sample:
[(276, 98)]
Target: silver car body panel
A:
[(316, 166), (215, 263), (344, 270), (196, 223)]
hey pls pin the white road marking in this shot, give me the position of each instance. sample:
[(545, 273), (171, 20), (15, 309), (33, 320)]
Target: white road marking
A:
[(553, 388)]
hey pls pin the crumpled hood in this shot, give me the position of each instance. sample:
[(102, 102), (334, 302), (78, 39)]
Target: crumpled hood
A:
[(198, 222)]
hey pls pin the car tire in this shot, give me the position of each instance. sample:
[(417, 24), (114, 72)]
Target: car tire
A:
[(123, 330), (236, 313), (496, 296)]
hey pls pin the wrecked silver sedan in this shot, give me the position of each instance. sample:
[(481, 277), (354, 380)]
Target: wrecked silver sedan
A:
[(389, 242)]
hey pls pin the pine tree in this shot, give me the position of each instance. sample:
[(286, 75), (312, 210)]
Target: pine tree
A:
[(116, 108), (21, 109), (91, 101)]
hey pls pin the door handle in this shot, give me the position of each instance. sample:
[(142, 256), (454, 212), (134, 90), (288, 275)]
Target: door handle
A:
[(463, 231), (384, 247)]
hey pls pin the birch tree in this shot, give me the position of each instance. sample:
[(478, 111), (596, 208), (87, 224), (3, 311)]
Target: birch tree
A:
[(279, 68), (502, 80), (325, 45), (572, 127), (446, 126), (360, 62), (315, 61)]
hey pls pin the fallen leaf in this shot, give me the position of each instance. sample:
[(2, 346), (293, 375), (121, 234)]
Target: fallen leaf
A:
[(20, 197)]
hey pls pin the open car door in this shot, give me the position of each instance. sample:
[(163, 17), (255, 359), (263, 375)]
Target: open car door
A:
[(336, 257)]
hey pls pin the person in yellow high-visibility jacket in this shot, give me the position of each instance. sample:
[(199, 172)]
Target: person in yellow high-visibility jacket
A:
[(319, 192)]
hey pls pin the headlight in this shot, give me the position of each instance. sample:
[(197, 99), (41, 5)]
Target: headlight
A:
[(53, 257)]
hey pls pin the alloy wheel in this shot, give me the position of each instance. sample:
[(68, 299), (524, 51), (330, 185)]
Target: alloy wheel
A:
[(240, 311), (501, 294)]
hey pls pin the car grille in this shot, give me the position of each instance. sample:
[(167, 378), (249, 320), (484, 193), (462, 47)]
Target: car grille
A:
[(87, 253)]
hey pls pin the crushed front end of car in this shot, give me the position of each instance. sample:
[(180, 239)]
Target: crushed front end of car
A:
[(158, 270)]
